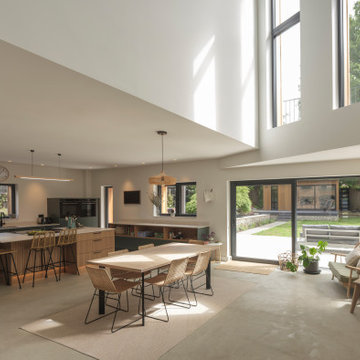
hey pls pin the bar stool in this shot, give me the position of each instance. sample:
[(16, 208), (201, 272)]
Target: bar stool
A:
[(7, 273), (42, 241), (67, 238)]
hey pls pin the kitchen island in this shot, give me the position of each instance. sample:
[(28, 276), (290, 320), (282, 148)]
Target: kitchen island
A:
[(92, 243)]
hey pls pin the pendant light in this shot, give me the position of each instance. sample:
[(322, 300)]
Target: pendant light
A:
[(162, 178), (32, 177)]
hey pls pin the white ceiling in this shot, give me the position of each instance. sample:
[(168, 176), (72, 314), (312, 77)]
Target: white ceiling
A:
[(51, 109)]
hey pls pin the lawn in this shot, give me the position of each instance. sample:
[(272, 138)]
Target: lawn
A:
[(285, 229)]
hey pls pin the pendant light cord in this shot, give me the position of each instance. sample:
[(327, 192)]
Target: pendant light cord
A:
[(32, 162), (59, 164), (162, 153)]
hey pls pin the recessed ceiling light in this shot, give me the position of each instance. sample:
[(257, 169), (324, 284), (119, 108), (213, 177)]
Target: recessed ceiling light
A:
[(90, 167), (9, 161), (174, 159), (42, 164), (115, 165), (143, 163)]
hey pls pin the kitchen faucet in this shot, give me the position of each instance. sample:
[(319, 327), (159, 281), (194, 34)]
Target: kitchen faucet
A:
[(2, 222)]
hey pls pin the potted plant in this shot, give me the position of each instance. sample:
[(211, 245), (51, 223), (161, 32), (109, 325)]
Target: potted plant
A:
[(310, 257)]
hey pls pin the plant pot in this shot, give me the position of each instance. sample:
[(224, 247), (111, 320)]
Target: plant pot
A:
[(313, 268)]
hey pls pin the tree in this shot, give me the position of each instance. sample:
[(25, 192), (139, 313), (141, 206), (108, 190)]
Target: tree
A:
[(191, 205), (354, 45), (243, 202)]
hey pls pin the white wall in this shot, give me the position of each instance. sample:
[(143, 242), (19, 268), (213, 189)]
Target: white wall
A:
[(207, 175), (32, 195), (194, 58), (322, 127)]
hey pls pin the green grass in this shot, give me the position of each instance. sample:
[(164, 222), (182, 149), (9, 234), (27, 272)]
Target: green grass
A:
[(285, 229)]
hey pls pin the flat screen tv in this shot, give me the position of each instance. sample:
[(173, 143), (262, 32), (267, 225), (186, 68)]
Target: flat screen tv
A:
[(131, 197)]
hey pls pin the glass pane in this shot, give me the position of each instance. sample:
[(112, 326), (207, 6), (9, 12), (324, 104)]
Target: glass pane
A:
[(5, 202), (263, 232), (306, 197), (334, 216), (284, 9), (352, 55), (288, 76), (189, 200), (168, 199)]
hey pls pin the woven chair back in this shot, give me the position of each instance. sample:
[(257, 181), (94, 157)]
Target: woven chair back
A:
[(118, 252), (67, 237), (202, 262), (145, 246), (100, 278), (197, 242), (176, 271), (43, 240)]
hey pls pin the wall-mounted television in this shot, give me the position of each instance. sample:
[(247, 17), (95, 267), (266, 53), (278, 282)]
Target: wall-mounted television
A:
[(131, 197)]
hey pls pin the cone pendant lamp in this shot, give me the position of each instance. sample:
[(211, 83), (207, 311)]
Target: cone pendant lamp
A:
[(162, 178)]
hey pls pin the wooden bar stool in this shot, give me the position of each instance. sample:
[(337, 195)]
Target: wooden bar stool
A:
[(42, 242), (7, 273), (67, 239)]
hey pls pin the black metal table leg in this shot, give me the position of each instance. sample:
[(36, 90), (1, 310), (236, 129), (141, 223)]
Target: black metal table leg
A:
[(143, 299), (208, 276), (101, 302)]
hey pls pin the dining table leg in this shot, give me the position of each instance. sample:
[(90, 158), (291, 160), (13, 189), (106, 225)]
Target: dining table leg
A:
[(208, 276), (101, 302), (143, 299)]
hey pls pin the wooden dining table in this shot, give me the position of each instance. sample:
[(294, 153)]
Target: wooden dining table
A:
[(148, 259)]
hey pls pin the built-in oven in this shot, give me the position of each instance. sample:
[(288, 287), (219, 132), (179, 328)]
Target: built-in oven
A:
[(70, 207), (88, 208)]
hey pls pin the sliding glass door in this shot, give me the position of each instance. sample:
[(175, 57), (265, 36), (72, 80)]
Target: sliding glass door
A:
[(263, 219)]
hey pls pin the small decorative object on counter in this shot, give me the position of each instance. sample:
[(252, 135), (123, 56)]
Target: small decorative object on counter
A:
[(72, 221), (172, 212), (211, 236)]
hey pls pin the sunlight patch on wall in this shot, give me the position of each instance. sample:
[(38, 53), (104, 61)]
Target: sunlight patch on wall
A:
[(204, 94)]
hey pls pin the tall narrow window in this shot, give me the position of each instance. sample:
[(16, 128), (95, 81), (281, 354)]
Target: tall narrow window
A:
[(286, 61), (7, 200), (349, 52)]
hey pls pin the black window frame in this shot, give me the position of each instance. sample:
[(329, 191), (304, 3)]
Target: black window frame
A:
[(13, 200), (275, 32), (178, 201), (341, 49)]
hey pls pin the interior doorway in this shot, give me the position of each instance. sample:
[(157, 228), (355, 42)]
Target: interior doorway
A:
[(107, 205)]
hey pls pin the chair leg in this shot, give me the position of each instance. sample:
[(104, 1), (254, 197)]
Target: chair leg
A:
[(26, 266), (60, 262), (201, 292), (33, 282), (4, 271), (161, 291), (16, 272), (193, 291), (355, 298), (51, 262), (180, 303)]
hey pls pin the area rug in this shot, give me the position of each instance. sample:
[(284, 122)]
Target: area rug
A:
[(136, 342), (248, 267)]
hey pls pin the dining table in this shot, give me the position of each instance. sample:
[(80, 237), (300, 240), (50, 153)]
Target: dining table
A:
[(145, 260)]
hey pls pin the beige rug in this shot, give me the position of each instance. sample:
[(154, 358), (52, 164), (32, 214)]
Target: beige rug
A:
[(136, 342), (248, 267)]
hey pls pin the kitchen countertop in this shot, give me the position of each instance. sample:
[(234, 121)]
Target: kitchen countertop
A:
[(8, 237), (19, 226)]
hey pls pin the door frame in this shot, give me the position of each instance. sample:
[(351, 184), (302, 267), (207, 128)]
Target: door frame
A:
[(233, 185)]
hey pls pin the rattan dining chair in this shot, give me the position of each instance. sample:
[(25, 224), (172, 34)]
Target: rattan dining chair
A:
[(196, 273), (175, 274), (42, 242), (67, 240), (192, 260), (130, 275), (101, 280)]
